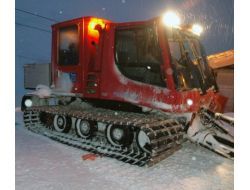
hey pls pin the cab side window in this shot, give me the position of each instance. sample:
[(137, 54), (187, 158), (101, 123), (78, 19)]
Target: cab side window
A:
[(138, 55)]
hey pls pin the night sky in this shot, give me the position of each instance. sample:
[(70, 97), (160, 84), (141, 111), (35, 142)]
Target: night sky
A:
[(34, 45)]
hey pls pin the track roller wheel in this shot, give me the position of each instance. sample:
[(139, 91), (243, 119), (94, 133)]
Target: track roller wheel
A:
[(62, 123), (143, 141), (85, 128), (119, 135)]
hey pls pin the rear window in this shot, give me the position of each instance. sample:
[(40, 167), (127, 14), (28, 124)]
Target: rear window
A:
[(69, 45)]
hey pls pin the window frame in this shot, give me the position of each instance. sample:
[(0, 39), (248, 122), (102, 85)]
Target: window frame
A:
[(154, 26)]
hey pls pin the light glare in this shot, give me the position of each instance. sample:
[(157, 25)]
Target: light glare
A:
[(189, 102), (197, 29), (171, 19), (92, 24)]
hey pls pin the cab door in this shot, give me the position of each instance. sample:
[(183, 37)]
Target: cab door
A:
[(67, 64)]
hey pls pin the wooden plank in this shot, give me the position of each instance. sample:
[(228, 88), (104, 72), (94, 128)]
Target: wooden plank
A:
[(222, 59)]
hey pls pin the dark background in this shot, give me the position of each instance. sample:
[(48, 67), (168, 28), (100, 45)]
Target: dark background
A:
[(33, 37)]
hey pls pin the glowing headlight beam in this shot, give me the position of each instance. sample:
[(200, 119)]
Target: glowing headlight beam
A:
[(197, 29), (190, 102), (171, 19)]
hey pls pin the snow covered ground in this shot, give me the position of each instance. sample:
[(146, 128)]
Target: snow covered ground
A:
[(45, 164)]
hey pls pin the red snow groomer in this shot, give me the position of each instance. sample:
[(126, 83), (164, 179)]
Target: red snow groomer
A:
[(133, 91)]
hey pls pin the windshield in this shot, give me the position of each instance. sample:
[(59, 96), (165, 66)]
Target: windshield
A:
[(188, 60)]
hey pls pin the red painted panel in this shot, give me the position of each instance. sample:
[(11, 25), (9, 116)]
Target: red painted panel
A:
[(100, 78)]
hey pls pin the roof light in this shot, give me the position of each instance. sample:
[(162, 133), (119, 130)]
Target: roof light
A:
[(93, 23), (171, 19), (197, 29)]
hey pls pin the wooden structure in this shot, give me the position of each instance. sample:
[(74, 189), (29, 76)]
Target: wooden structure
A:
[(223, 66)]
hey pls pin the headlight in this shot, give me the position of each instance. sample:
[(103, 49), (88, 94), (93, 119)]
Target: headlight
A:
[(197, 29), (171, 19), (190, 102), (28, 103)]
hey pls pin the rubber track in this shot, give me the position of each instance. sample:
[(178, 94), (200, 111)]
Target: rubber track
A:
[(166, 135)]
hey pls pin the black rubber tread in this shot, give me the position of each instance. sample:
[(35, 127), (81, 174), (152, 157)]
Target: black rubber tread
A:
[(165, 134)]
